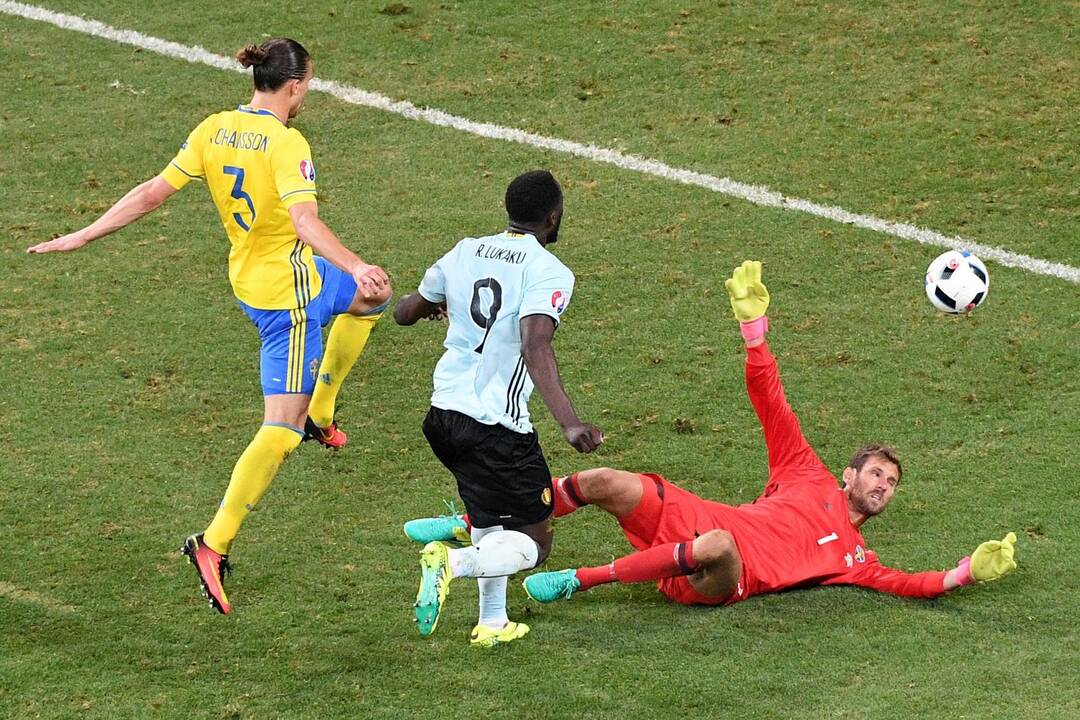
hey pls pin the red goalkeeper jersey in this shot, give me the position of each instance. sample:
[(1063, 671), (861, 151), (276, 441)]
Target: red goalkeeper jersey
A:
[(798, 534)]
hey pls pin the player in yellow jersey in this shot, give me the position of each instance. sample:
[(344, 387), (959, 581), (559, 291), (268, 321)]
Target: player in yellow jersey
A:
[(261, 178)]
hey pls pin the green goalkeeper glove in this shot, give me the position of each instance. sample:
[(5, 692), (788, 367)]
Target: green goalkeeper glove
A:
[(749, 297), (994, 559)]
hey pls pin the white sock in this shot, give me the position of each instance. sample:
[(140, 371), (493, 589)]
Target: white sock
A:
[(492, 590), (493, 602), (497, 553)]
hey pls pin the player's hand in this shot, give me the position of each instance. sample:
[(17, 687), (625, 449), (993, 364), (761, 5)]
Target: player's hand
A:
[(749, 297), (64, 243), (994, 559), (439, 313), (584, 437), (371, 280)]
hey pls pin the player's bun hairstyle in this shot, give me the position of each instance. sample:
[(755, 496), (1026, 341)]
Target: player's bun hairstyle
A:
[(275, 62), (882, 452), (532, 195)]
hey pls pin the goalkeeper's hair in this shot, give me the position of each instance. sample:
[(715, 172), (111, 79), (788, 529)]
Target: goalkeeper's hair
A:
[(275, 62), (532, 195), (882, 452)]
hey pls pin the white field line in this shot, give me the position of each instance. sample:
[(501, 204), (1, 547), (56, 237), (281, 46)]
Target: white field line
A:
[(756, 194), (17, 594)]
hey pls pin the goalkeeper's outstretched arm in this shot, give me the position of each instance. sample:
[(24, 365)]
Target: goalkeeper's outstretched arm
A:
[(783, 436)]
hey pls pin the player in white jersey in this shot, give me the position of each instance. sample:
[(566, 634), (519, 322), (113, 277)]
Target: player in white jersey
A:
[(504, 296)]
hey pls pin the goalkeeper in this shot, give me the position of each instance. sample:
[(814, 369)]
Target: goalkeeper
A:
[(802, 531)]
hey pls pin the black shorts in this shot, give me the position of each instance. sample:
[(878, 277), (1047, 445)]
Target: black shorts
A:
[(502, 475)]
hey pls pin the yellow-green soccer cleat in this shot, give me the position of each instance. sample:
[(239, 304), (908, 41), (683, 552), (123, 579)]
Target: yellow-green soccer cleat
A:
[(434, 584), (485, 637)]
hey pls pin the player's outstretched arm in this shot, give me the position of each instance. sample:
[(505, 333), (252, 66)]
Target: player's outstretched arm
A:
[(371, 280), (414, 306), (992, 560), (537, 332), (142, 199), (783, 436)]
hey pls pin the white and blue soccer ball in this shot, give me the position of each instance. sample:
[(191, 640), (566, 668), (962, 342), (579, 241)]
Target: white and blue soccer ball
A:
[(957, 282)]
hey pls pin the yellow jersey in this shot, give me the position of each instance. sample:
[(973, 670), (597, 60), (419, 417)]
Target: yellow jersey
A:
[(256, 168)]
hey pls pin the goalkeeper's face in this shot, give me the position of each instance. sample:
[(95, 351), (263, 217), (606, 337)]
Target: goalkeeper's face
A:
[(870, 488)]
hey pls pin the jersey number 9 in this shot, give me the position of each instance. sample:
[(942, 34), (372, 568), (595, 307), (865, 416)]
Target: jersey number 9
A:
[(476, 306)]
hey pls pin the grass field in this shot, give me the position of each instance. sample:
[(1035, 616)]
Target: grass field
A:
[(131, 379)]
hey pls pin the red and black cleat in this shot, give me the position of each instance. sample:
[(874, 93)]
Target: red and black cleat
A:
[(331, 437), (211, 568)]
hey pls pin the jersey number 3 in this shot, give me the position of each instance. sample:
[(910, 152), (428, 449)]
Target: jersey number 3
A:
[(476, 306), (239, 194)]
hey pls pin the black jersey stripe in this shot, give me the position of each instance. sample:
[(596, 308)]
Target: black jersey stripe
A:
[(520, 389), (297, 283), (301, 276), (518, 371)]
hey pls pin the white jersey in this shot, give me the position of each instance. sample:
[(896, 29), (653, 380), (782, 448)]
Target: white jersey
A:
[(489, 284)]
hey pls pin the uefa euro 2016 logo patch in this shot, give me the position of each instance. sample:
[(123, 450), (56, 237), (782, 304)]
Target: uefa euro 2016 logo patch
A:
[(558, 301), (860, 554), (307, 170)]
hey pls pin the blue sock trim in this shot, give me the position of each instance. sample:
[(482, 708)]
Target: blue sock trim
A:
[(295, 429)]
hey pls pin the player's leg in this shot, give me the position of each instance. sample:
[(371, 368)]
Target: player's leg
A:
[(355, 318), (455, 526), (504, 480), (494, 626), (660, 561), (719, 563), (278, 436), (709, 559), (615, 491), (498, 551), (496, 554), (287, 346), (505, 484), (711, 564)]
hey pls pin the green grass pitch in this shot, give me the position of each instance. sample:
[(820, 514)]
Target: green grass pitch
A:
[(131, 379)]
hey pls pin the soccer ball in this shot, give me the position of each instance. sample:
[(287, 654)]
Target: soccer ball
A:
[(957, 282)]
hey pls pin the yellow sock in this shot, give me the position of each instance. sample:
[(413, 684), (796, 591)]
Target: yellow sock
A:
[(251, 477), (348, 336)]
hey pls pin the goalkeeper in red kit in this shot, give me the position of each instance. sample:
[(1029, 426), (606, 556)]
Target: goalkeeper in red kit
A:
[(802, 531)]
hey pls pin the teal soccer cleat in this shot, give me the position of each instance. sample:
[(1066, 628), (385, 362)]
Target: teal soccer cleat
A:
[(547, 587), (448, 528)]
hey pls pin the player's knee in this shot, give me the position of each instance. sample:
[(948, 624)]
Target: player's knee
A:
[(600, 483), (543, 537), (715, 547), (543, 550), (373, 304), (383, 295)]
